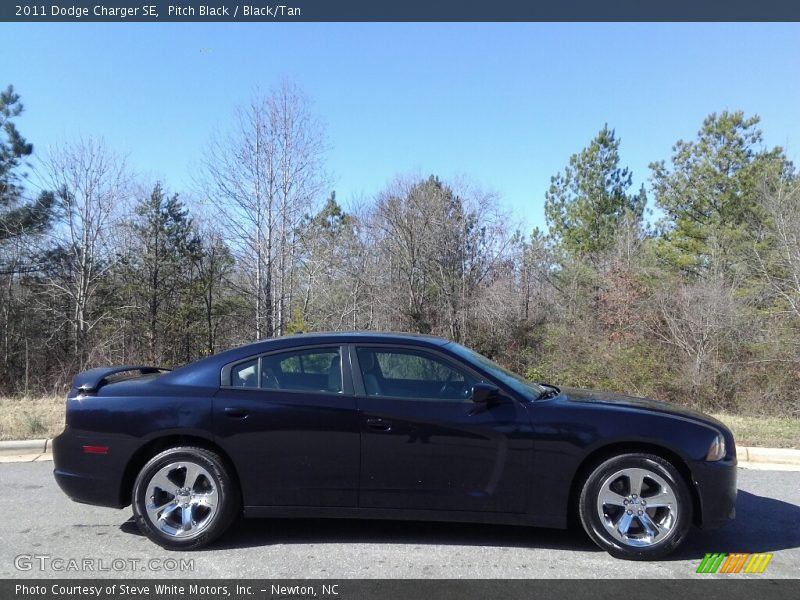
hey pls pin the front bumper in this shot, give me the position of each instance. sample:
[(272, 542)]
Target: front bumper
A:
[(715, 485)]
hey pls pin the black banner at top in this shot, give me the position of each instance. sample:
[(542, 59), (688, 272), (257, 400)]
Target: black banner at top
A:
[(398, 10)]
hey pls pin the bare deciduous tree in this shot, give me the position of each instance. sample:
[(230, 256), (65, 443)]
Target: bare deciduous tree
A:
[(437, 249), (90, 182), (778, 260), (266, 176), (695, 319)]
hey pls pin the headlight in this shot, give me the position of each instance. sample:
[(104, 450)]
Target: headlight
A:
[(716, 451)]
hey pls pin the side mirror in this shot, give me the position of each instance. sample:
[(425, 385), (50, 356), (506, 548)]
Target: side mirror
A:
[(484, 393)]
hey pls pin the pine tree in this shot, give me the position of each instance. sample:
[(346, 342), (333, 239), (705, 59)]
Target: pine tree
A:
[(587, 203), (17, 216), (709, 194), (161, 269)]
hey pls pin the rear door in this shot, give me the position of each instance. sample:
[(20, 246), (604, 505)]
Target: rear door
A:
[(426, 445), (289, 421)]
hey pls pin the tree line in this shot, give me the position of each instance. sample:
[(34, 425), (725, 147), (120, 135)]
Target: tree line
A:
[(697, 302)]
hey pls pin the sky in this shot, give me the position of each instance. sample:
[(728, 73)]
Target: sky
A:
[(503, 105)]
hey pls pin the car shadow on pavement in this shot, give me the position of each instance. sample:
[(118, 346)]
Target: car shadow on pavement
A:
[(130, 527), (762, 524), (267, 532), (261, 532)]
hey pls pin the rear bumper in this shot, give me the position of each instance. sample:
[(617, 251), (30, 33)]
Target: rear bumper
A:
[(715, 484), (90, 478), (88, 490)]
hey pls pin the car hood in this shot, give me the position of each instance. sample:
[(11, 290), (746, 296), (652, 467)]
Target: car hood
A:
[(596, 396)]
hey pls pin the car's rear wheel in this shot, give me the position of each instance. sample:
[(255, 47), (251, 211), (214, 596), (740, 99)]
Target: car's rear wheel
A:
[(636, 506), (184, 498)]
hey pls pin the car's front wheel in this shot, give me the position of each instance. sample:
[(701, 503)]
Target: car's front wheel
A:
[(636, 506), (184, 498)]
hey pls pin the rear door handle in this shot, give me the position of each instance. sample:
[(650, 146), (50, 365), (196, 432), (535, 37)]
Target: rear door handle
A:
[(379, 425), (236, 412)]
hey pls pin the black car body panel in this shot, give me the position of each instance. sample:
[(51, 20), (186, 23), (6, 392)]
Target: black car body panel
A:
[(298, 451), (569, 430), (124, 421), (348, 453)]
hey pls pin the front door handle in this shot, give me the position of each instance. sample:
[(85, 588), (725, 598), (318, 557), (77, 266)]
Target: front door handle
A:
[(379, 425), (236, 412)]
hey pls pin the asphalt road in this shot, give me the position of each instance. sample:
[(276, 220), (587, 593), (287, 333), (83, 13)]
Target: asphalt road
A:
[(38, 523)]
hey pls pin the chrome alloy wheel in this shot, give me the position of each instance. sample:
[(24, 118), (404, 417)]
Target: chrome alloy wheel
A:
[(182, 499), (637, 507)]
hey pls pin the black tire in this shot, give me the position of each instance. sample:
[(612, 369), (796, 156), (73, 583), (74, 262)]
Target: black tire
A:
[(214, 478), (637, 543)]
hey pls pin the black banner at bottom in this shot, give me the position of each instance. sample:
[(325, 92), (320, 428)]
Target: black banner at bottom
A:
[(398, 589)]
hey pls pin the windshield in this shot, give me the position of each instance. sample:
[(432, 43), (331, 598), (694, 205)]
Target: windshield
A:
[(518, 383)]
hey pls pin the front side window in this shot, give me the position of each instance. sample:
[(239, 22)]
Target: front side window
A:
[(518, 383), (412, 374), (308, 370)]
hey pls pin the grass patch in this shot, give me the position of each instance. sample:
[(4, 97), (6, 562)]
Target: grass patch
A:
[(767, 432), (32, 418)]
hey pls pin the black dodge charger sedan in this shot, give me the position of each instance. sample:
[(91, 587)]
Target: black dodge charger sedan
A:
[(387, 426)]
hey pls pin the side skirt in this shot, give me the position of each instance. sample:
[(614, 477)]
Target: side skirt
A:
[(314, 512)]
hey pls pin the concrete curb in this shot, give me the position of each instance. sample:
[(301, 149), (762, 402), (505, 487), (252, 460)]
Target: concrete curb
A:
[(776, 456), (16, 447)]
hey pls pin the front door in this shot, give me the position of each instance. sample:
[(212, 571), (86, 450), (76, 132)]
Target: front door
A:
[(425, 445)]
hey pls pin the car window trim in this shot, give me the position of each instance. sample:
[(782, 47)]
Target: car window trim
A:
[(344, 366)]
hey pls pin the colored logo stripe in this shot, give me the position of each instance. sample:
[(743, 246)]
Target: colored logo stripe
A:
[(710, 563), (736, 562), (758, 563)]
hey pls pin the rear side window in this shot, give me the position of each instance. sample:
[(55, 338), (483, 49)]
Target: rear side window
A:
[(308, 370), (245, 374)]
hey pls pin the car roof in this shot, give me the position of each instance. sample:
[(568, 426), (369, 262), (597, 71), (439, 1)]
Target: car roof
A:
[(206, 371), (344, 337)]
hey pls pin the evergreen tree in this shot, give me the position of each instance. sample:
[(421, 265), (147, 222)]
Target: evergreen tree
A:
[(325, 238), (17, 216), (589, 201), (161, 269), (709, 193), (215, 265)]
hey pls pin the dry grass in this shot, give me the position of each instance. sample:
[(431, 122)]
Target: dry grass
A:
[(767, 432), (32, 418)]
